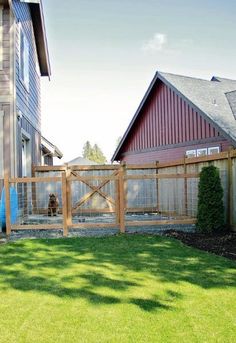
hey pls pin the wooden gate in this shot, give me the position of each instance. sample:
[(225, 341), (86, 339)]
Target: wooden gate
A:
[(93, 196)]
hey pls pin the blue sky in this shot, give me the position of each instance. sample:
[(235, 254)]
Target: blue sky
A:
[(105, 53)]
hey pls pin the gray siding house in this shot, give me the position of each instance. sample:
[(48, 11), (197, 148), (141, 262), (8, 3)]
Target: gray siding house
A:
[(24, 60)]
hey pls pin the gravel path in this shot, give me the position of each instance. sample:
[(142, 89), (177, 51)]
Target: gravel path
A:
[(95, 232)]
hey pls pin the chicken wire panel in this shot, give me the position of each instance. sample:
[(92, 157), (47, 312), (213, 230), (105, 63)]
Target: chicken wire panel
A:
[(93, 201), (50, 173), (141, 171), (192, 190), (192, 197), (171, 196), (35, 206), (141, 194), (93, 172)]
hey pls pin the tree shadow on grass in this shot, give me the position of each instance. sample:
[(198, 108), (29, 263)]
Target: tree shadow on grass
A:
[(102, 270)]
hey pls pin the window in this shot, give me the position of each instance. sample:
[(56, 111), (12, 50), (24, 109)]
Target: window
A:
[(213, 150), (201, 152), (24, 158), (191, 153), (24, 59), (25, 154)]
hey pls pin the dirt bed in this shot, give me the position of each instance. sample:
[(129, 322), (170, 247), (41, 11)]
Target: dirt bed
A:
[(223, 244)]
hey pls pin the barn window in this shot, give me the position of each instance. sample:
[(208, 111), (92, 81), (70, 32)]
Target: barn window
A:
[(24, 59), (213, 150), (201, 152), (191, 153)]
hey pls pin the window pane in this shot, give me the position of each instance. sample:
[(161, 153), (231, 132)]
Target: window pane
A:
[(191, 153), (202, 152), (213, 150)]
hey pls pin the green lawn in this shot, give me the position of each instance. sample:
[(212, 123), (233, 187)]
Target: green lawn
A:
[(115, 289)]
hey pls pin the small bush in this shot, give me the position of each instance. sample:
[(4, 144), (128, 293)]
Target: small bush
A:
[(210, 214)]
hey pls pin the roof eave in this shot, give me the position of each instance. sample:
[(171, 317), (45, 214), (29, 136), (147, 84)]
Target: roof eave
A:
[(36, 10), (53, 149)]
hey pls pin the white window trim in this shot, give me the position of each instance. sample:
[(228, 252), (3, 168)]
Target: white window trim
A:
[(1, 144), (213, 147), (25, 79), (1, 37)]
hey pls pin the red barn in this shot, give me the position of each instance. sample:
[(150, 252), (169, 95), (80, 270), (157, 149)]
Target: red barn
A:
[(181, 116)]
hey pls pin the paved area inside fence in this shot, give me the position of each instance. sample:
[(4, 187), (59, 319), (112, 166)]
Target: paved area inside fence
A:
[(94, 232)]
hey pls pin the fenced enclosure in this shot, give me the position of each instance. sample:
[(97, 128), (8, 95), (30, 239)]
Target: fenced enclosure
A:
[(115, 196)]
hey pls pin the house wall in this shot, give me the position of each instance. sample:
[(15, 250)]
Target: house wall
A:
[(28, 102), (166, 127)]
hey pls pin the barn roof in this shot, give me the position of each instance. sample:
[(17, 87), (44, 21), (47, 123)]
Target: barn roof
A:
[(215, 100)]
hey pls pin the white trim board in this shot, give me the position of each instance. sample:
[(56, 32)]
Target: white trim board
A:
[(1, 37), (1, 144)]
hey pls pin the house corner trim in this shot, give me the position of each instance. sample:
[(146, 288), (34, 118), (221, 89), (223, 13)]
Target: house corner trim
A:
[(1, 37)]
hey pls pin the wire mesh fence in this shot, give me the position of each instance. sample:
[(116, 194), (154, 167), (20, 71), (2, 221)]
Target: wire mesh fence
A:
[(159, 197)]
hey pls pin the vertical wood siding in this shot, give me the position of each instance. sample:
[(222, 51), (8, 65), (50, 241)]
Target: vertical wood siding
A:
[(5, 41), (27, 102), (167, 119), (170, 154)]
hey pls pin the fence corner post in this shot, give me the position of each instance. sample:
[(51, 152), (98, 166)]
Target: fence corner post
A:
[(230, 195), (7, 204), (64, 205), (122, 199)]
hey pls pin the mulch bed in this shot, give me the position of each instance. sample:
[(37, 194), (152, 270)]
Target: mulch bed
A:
[(223, 244)]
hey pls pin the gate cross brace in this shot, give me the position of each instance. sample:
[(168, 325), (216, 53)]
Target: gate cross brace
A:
[(95, 189)]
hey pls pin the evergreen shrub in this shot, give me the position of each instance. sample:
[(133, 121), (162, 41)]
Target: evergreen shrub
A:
[(210, 213)]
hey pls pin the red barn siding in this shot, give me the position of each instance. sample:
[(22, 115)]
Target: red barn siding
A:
[(167, 119), (166, 155)]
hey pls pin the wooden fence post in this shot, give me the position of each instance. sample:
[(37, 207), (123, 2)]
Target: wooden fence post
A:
[(7, 204), (68, 196), (117, 199), (64, 204), (230, 193), (157, 187), (34, 195), (185, 189), (121, 200)]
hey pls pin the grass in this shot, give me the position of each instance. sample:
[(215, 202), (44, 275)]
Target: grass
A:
[(115, 289)]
